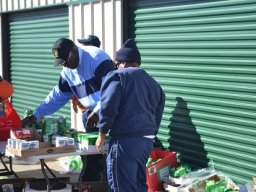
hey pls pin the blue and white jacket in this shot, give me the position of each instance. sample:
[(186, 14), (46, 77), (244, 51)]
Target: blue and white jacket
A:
[(84, 82)]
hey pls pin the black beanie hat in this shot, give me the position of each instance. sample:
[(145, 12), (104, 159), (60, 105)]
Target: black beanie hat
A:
[(129, 52)]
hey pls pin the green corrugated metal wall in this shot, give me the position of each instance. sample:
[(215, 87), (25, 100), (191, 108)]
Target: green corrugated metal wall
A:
[(204, 57), (32, 72)]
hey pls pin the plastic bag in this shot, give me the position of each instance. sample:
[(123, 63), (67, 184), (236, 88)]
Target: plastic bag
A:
[(71, 164), (9, 121)]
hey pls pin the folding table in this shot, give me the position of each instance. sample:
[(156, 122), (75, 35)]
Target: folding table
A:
[(44, 166)]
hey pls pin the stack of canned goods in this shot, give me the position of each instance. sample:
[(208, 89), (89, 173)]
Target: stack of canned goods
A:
[(62, 125), (40, 125), (54, 127)]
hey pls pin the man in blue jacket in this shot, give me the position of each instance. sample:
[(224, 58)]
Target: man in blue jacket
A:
[(84, 69), (90, 40), (132, 104)]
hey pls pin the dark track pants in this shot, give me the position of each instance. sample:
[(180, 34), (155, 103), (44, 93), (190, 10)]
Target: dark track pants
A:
[(126, 164)]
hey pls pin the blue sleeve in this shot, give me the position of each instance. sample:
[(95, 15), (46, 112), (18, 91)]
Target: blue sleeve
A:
[(102, 70), (160, 110), (55, 100), (111, 93), (100, 73)]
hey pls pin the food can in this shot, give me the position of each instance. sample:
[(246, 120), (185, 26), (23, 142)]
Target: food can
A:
[(51, 125), (28, 112), (47, 137), (61, 125), (40, 124)]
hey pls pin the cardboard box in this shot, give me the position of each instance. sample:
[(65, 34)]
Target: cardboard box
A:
[(157, 171), (93, 186), (44, 148), (199, 184)]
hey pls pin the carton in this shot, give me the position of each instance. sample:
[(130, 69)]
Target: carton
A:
[(44, 148), (159, 170)]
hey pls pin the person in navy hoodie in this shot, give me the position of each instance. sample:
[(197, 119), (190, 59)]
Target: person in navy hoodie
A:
[(132, 105)]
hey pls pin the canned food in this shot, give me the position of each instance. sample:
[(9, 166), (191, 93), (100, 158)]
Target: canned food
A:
[(28, 112), (51, 125), (61, 125), (47, 137)]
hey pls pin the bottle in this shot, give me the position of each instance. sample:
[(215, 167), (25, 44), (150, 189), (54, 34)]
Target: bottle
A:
[(28, 112)]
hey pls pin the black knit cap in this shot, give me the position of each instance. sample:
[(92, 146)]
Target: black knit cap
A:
[(90, 40), (61, 50), (129, 52)]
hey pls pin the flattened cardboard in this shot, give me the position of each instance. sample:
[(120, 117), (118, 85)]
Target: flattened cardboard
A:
[(44, 148)]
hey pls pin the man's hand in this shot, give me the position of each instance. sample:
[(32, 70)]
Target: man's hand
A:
[(92, 120), (99, 143), (75, 108), (28, 121)]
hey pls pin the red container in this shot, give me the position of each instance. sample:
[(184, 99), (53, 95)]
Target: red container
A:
[(160, 169)]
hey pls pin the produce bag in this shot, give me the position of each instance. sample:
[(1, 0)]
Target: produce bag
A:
[(71, 164), (9, 120)]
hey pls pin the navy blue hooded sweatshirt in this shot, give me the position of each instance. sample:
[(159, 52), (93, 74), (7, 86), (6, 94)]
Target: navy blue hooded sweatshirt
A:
[(132, 104)]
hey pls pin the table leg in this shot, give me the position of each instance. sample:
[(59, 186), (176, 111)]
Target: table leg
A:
[(43, 166), (80, 179), (6, 170), (10, 162), (55, 180)]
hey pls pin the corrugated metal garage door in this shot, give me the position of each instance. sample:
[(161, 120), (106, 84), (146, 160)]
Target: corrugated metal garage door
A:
[(32, 72), (204, 56)]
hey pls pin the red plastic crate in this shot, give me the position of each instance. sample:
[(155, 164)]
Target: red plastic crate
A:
[(156, 171)]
